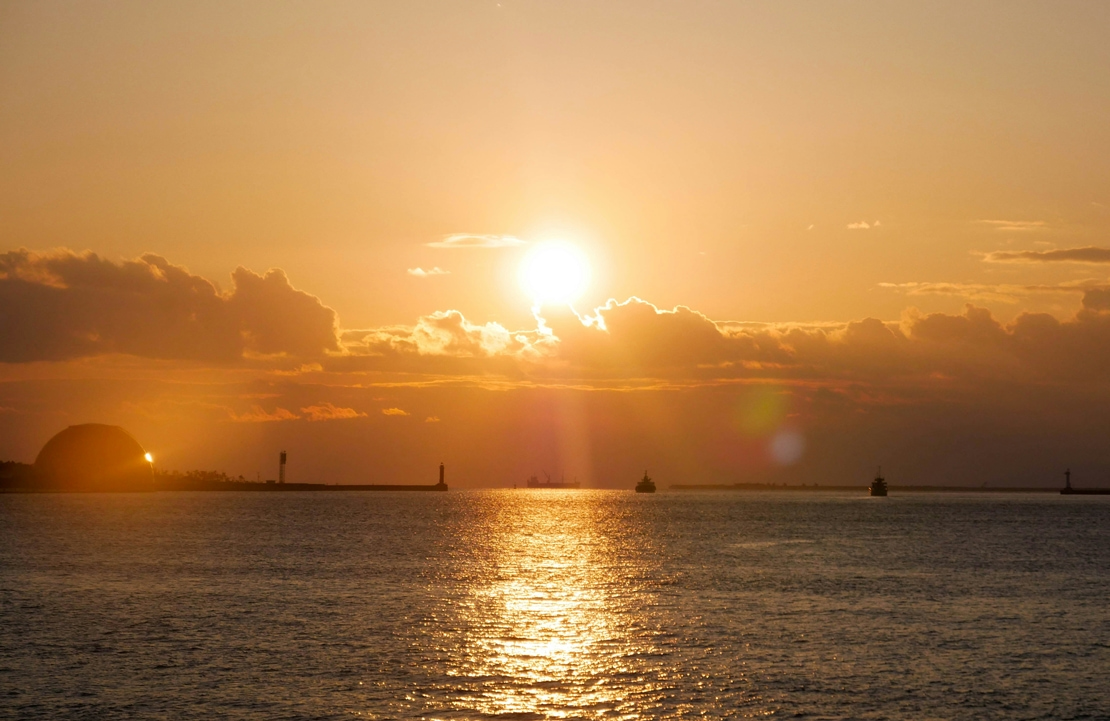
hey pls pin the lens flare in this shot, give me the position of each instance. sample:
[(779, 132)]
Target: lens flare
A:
[(787, 447), (762, 410)]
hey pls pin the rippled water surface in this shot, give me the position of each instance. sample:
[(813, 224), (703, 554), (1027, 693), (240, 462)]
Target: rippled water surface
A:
[(554, 604)]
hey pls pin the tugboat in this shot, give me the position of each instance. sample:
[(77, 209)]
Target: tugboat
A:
[(646, 485), (878, 486)]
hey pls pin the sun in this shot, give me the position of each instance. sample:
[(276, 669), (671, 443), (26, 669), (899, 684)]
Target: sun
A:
[(555, 272)]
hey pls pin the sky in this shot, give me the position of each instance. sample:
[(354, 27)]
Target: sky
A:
[(811, 238)]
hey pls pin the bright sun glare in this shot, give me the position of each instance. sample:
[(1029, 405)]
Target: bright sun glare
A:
[(555, 272)]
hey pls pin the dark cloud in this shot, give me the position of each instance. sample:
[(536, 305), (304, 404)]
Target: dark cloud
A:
[(62, 305), (1089, 254), (1097, 299), (277, 318)]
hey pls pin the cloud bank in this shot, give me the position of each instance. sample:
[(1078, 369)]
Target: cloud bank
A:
[(63, 305), (633, 339)]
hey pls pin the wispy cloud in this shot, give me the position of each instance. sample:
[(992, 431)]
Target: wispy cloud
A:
[(863, 225), (432, 419), (421, 273), (1088, 254), (394, 412), (328, 412), (1021, 226), (257, 415), (1005, 293), (471, 240)]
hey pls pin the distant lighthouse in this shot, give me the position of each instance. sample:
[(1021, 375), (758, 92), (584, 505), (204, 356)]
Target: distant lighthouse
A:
[(281, 469), (441, 475)]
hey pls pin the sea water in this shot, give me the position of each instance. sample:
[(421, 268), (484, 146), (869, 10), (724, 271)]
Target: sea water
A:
[(554, 604)]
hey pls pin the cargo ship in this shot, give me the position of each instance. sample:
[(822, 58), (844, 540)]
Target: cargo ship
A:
[(646, 485), (534, 482)]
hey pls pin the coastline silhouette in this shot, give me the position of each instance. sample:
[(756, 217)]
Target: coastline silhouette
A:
[(97, 457)]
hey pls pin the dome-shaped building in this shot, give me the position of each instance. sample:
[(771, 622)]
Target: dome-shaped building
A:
[(94, 457)]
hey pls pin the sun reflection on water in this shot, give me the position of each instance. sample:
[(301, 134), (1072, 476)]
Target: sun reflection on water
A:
[(555, 624)]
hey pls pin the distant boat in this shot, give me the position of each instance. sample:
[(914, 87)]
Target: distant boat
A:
[(878, 486), (646, 485), (534, 482)]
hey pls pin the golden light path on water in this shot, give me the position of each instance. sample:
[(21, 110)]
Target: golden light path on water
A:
[(529, 605), (556, 624)]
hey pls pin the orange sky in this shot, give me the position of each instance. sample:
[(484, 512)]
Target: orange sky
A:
[(784, 171)]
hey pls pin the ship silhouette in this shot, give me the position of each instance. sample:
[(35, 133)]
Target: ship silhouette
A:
[(878, 486), (646, 485)]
